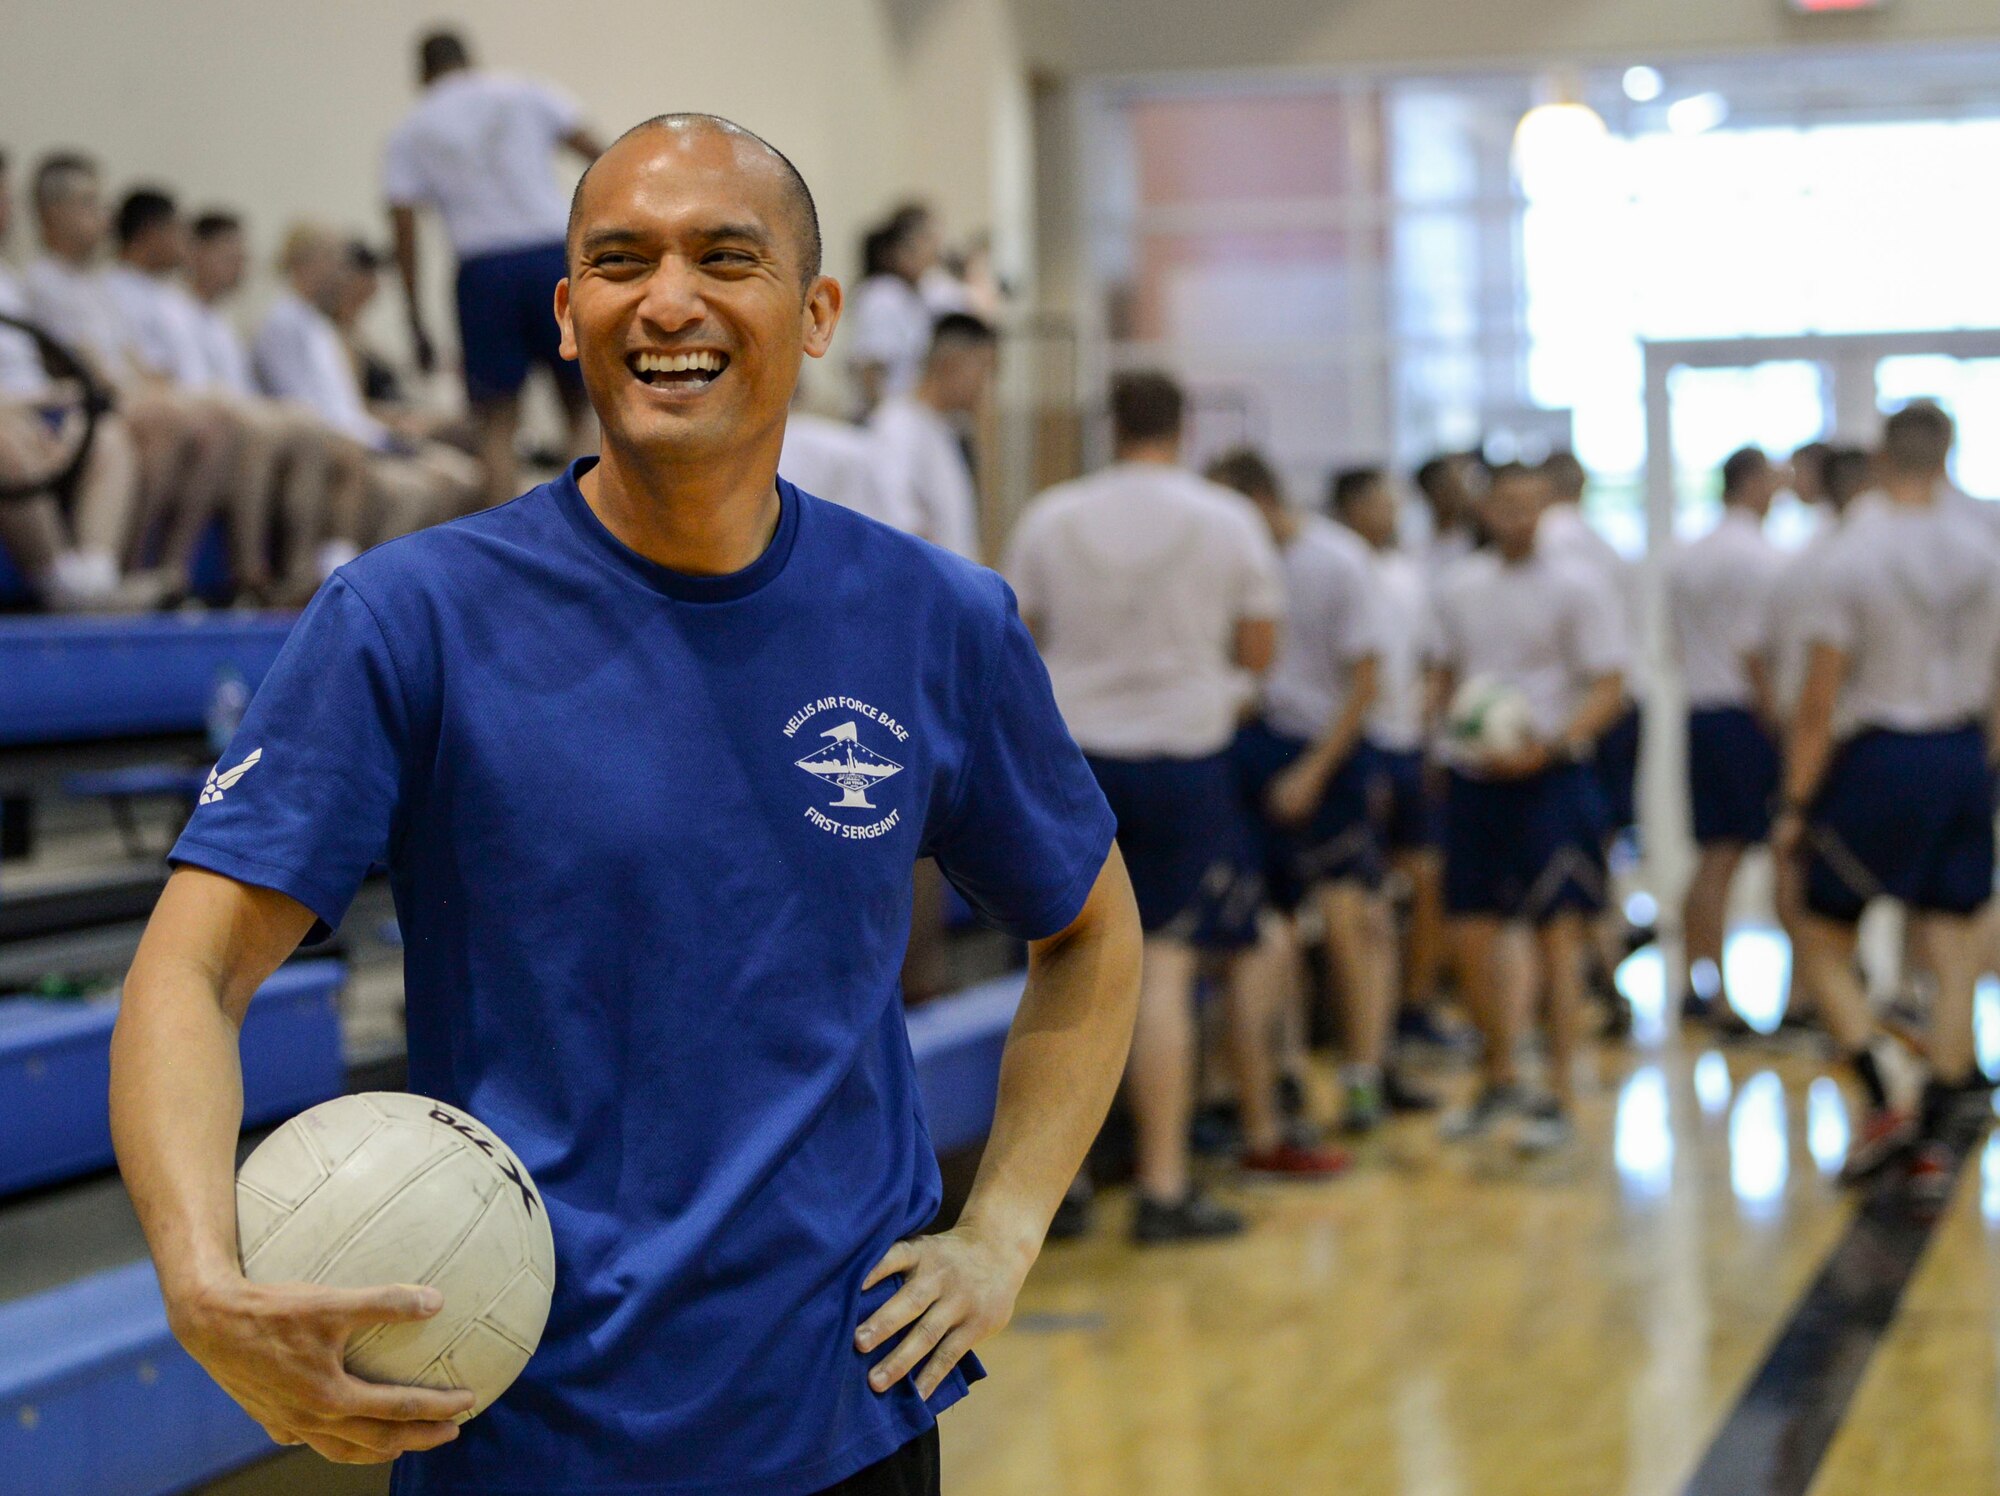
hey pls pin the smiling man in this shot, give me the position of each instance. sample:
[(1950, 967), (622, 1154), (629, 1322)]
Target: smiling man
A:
[(650, 753)]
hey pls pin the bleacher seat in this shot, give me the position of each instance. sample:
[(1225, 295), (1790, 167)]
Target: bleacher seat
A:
[(957, 1042), (66, 680), (96, 1398), (55, 1070)]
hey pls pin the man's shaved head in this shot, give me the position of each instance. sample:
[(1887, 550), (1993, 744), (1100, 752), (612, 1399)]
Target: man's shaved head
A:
[(798, 196)]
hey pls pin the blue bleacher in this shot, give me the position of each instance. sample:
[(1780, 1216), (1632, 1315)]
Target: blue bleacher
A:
[(67, 679), (96, 1399), (55, 1071)]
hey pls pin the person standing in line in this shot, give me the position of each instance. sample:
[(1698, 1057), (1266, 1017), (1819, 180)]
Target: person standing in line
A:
[(1718, 599), (1571, 538), (478, 148), (893, 322), (1152, 593), (1450, 484), (1840, 476), (1406, 808), (918, 436), (1889, 775), (1524, 837)]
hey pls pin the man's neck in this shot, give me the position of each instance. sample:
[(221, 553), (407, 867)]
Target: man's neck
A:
[(1153, 454), (926, 395), (75, 259), (1285, 523), (1517, 556), (702, 518), (1912, 490)]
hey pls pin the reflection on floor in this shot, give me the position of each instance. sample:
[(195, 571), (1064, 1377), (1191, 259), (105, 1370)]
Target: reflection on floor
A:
[(1445, 1323)]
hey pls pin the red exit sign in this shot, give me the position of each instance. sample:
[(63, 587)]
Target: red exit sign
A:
[(1815, 7)]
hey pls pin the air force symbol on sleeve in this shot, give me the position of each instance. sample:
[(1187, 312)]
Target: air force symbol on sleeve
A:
[(844, 763), (221, 780)]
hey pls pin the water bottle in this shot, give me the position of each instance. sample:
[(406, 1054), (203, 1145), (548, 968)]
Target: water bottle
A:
[(226, 705)]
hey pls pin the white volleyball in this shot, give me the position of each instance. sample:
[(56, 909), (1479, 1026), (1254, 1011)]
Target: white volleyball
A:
[(387, 1188), (1487, 717)]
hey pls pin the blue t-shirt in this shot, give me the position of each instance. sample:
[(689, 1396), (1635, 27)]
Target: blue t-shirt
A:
[(651, 839)]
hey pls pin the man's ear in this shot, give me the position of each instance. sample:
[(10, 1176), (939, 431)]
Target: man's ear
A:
[(821, 314), (568, 349)]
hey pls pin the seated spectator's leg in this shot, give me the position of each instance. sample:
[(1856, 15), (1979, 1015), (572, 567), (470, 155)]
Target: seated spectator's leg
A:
[(402, 498), (264, 449), (31, 532), (218, 432), (459, 481)]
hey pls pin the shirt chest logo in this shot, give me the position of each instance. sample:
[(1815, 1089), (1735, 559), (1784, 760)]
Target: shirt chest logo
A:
[(843, 762)]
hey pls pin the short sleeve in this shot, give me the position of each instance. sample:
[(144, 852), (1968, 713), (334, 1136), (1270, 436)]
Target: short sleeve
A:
[(1029, 829), (1022, 566), (1831, 606), (304, 799), (1598, 638), (403, 183), (558, 108), (1361, 615), (1263, 591)]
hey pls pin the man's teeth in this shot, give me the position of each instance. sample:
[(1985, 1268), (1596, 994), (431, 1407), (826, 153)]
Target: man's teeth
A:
[(679, 363)]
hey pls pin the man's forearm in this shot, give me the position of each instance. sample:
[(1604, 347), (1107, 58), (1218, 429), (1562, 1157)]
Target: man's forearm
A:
[(404, 222), (1601, 708), (1064, 1057), (176, 1110)]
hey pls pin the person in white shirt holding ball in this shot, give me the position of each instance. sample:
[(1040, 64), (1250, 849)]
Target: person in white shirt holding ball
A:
[(1523, 823)]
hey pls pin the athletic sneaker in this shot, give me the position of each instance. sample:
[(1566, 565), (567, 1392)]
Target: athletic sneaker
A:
[(1423, 1026), (1545, 1127), (1192, 1218), (1405, 1097), (1292, 1161), (1931, 1172), (1072, 1218), (1366, 1109), (1488, 1109), (1884, 1134)]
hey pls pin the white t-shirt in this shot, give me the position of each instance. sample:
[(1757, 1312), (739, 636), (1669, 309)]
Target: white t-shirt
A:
[(889, 323), (1134, 580), (162, 320), (299, 356), (1790, 605), (224, 360), (1544, 626), (77, 308), (1912, 597), (1333, 621), (1565, 536), (1719, 597), (478, 148), (22, 376), (1409, 644), (838, 462), (924, 472), (1440, 552)]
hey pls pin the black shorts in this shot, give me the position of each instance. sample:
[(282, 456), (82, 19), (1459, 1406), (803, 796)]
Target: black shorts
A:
[(910, 1471)]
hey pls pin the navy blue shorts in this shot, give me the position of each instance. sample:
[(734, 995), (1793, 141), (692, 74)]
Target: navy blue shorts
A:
[(1408, 817), (1524, 848), (1906, 816), (1617, 770), (1732, 776), (1180, 828), (1336, 845), (507, 319)]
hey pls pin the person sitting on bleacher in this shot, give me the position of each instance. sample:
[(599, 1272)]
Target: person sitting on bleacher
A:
[(325, 491), (184, 446), (299, 355), (70, 560), (273, 440)]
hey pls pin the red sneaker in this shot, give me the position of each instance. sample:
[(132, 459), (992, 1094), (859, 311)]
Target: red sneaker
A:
[(1294, 1161)]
